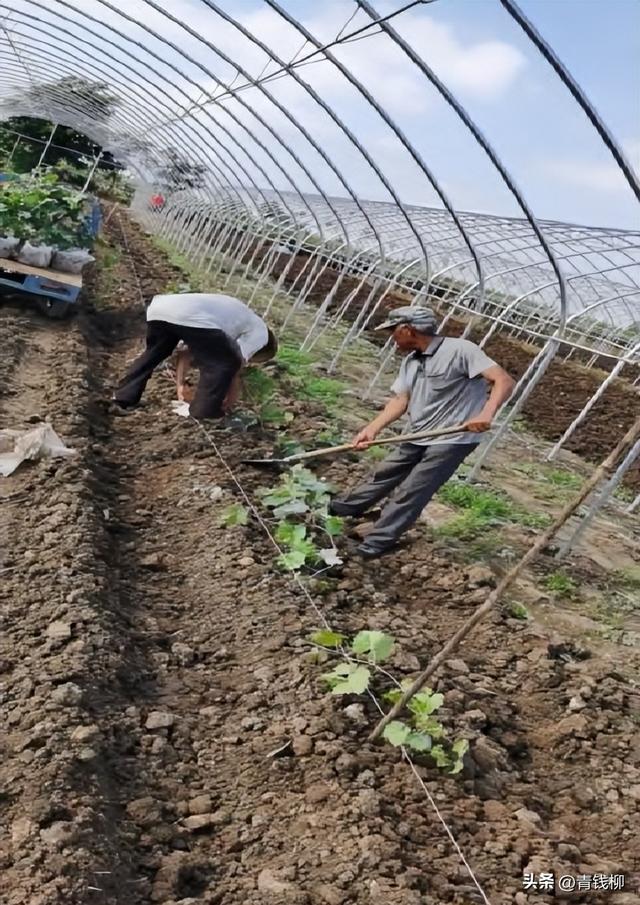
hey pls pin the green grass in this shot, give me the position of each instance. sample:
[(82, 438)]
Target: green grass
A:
[(198, 280), (109, 257), (463, 527), (482, 509), (259, 387), (625, 494), (559, 478), (293, 360), (260, 392), (484, 504), (516, 610), (322, 389), (376, 453), (561, 584), (489, 543), (330, 437), (566, 480), (627, 578)]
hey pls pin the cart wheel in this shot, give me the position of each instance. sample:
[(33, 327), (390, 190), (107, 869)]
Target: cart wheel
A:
[(53, 308)]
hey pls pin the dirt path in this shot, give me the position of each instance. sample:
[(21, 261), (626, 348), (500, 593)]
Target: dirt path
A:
[(153, 662)]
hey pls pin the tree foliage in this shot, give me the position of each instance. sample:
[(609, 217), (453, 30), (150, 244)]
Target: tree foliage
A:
[(68, 144), (180, 173)]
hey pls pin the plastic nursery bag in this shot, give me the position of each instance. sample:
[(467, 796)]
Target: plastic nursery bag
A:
[(35, 255), (71, 261), (36, 443), (8, 245)]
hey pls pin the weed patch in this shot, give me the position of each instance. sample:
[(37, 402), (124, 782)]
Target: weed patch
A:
[(561, 584), (482, 509)]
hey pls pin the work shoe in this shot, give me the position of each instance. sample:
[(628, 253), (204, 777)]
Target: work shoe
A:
[(343, 510), (126, 406), (367, 552)]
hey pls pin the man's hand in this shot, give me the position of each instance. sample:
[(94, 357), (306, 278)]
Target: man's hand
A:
[(478, 425), (365, 438), (185, 393)]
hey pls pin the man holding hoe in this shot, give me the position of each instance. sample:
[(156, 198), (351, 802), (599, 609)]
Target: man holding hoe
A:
[(219, 334), (442, 382)]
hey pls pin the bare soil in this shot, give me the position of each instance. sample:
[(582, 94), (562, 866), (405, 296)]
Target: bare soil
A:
[(166, 736)]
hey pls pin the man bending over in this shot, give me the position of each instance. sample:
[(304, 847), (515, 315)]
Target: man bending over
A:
[(222, 335)]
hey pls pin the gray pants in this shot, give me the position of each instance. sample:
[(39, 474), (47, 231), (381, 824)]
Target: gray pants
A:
[(417, 472)]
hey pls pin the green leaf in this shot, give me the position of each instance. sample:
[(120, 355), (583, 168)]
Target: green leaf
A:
[(397, 733), (440, 756), (425, 702), (270, 413), (306, 548), (430, 725), (292, 561), (304, 478), (290, 533), (376, 645), (459, 748), (348, 678), (334, 525), (236, 514), (292, 507), (393, 695), (327, 638), (419, 741)]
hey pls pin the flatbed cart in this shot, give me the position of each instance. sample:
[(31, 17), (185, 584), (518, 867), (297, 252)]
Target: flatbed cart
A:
[(55, 292)]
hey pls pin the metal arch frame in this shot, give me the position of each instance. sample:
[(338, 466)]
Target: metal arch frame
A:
[(480, 138), (212, 76), (417, 157), (277, 104), (580, 418), (576, 91), (336, 119), (225, 228), (170, 66), (206, 128), (74, 122), (120, 114)]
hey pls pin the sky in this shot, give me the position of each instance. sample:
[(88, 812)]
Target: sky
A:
[(544, 140)]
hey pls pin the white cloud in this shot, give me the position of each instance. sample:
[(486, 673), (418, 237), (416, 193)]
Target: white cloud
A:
[(484, 69), (601, 176)]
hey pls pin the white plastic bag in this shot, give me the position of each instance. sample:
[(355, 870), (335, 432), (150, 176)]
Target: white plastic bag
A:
[(36, 443), (71, 261), (8, 245), (35, 255), (180, 408)]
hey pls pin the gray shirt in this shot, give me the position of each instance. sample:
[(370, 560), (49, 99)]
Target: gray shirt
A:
[(445, 387)]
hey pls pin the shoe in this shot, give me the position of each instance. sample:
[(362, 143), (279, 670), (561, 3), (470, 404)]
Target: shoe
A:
[(126, 406), (367, 552), (343, 510)]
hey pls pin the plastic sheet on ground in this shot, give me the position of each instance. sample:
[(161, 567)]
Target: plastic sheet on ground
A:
[(36, 443), (180, 408)]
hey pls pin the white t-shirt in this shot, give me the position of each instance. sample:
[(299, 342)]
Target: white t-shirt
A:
[(213, 312)]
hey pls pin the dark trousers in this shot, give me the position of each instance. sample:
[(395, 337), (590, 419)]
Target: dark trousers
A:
[(212, 351), (415, 473)]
